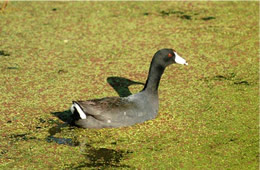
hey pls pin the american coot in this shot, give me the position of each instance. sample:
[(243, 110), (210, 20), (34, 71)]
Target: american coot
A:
[(125, 111)]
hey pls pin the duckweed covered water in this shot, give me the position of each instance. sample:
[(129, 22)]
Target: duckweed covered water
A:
[(54, 52)]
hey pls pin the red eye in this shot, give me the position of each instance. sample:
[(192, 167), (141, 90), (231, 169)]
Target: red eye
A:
[(169, 55)]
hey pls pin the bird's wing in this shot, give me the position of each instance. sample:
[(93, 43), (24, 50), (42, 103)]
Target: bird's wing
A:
[(100, 107)]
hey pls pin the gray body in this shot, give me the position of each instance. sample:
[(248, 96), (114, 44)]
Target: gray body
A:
[(118, 112)]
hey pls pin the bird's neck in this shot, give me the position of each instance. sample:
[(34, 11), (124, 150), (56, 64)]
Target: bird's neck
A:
[(154, 77)]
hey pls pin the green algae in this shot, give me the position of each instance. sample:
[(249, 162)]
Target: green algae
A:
[(54, 52)]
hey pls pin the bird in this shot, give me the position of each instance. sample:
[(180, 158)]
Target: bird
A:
[(114, 112)]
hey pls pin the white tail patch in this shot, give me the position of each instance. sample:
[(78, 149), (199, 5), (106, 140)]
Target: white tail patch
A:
[(72, 109), (82, 115)]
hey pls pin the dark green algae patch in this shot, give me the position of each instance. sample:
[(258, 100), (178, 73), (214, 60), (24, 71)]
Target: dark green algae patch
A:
[(54, 52)]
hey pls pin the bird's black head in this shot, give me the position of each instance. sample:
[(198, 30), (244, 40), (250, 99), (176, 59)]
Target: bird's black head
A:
[(166, 57)]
